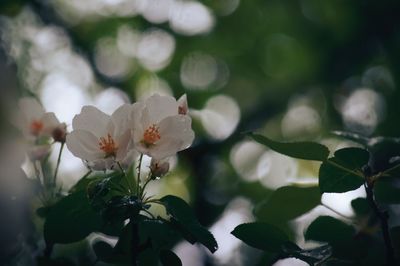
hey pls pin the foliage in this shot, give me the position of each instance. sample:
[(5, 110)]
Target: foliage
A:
[(348, 169)]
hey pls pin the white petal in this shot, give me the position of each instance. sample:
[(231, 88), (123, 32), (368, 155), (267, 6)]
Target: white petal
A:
[(50, 122), (124, 145), (121, 118), (176, 135), (160, 107), (31, 108), (93, 120), (84, 144)]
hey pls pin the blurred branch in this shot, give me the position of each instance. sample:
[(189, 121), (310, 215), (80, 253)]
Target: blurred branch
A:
[(49, 16)]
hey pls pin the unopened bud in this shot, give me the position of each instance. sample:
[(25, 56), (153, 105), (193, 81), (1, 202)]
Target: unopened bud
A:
[(183, 108), (59, 133), (159, 168)]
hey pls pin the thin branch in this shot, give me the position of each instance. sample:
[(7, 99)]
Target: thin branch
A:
[(58, 164), (138, 175), (383, 217)]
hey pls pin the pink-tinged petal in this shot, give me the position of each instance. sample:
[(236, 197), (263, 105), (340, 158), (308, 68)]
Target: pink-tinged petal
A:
[(160, 107), (84, 144), (30, 108), (176, 135), (93, 120)]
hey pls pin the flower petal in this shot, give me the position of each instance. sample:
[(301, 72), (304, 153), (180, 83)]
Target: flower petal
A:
[(176, 135), (50, 122), (121, 119), (93, 120), (159, 107), (30, 108), (84, 144)]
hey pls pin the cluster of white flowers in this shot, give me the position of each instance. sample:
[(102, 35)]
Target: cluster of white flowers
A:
[(158, 127), (38, 127)]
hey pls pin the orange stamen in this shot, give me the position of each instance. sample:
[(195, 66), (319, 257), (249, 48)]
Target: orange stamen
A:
[(36, 127), (151, 135), (108, 145)]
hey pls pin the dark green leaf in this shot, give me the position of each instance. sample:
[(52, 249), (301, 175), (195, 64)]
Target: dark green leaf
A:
[(148, 257), (71, 219), (186, 222), (329, 229), (83, 183), (301, 150), (169, 258), (361, 206), (393, 170), (120, 208), (338, 234), (263, 236), (158, 232), (343, 172), (42, 211), (387, 190), (287, 203), (311, 256), (103, 251), (395, 235)]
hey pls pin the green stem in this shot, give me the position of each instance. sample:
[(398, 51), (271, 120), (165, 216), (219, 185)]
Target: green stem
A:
[(130, 189), (145, 185), (383, 217), (138, 191), (58, 164)]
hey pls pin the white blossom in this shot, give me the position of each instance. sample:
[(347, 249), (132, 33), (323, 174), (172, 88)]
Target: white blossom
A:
[(159, 130), (102, 140)]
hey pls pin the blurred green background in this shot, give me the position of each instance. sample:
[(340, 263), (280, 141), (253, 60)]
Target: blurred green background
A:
[(288, 69)]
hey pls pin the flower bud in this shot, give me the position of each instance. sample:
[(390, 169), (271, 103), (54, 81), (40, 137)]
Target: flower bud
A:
[(59, 133), (159, 168)]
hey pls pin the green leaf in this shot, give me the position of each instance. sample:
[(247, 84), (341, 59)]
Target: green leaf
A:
[(184, 220), (148, 257), (338, 234), (361, 206), (311, 256), (302, 150), (387, 190), (169, 258), (343, 172), (159, 233), (71, 219), (120, 208), (83, 183), (393, 171), (263, 236), (103, 251), (395, 235), (287, 203)]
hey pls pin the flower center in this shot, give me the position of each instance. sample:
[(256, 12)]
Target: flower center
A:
[(151, 135), (36, 127), (108, 145)]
